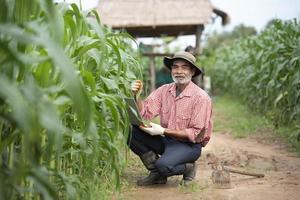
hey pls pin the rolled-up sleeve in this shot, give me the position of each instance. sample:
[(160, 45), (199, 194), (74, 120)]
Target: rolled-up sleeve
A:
[(152, 105), (200, 127)]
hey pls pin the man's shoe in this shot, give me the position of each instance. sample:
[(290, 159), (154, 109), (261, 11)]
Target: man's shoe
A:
[(189, 173), (152, 179)]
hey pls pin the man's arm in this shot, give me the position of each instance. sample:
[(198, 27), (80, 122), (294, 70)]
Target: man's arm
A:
[(180, 134), (156, 129), (139, 103), (137, 88)]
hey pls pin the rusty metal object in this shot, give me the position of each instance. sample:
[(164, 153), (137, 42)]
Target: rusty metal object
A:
[(221, 174), (221, 178)]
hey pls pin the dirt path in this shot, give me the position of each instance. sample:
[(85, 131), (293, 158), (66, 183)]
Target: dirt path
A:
[(281, 169)]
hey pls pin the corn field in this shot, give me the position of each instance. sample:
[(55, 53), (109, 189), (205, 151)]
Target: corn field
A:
[(264, 70), (63, 125)]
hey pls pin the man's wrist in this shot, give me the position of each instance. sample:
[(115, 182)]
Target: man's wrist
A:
[(165, 131)]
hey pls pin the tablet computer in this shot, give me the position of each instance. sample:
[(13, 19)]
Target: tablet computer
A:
[(134, 114)]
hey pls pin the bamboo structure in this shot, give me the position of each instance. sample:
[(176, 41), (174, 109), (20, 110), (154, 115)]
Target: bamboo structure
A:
[(157, 18)]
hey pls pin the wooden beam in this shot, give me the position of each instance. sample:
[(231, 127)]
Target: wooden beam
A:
[(159, 31), (158, 54)]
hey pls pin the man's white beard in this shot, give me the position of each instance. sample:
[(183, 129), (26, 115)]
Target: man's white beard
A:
[(185, 80)]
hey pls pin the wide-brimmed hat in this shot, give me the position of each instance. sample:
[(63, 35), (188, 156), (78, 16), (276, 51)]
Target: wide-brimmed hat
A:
[(185, 56)]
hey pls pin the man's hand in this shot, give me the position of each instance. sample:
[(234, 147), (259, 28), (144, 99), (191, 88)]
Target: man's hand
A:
[(154, 129), (137, 88)]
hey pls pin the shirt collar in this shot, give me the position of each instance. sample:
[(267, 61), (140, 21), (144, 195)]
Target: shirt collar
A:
[(188, 91)]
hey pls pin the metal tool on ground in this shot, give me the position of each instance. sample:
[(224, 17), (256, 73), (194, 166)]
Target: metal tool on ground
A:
[(221, 177), (221, 173)]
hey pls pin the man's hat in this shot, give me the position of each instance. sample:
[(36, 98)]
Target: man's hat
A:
[(185, 56)]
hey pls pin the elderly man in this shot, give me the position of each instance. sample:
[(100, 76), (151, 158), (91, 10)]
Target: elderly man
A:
[(185, 111)]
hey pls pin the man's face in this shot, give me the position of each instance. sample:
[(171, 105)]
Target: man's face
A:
[(182, 72)]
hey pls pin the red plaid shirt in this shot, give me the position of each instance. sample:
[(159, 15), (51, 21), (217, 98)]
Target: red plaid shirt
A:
[(191, 111)]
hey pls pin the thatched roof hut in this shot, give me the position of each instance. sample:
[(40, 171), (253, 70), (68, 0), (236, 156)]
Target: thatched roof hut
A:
[(152, 18), (155, 18)]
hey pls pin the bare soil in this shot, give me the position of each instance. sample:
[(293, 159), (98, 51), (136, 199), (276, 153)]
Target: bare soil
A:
[(255, 154)]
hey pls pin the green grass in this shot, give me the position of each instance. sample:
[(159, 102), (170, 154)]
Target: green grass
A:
[(232, 116), (291, 136), (195, 186)]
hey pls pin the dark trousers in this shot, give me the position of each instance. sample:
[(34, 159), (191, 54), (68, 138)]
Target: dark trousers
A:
[(173, 153)]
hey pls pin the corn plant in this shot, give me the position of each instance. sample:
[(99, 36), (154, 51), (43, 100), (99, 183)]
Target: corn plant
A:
[(264, 70), (63, 125)]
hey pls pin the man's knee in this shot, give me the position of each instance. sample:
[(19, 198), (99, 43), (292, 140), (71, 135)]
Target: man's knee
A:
[(163, 167)]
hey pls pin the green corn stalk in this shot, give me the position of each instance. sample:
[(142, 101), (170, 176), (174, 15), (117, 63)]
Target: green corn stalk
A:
[(264, 70), (63, 120)]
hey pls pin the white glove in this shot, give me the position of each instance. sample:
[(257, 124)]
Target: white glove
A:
[(154, 129), (137, 87)]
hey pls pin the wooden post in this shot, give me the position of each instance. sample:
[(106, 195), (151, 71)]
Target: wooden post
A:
[(199, 79), (152, 73), (199, 31)]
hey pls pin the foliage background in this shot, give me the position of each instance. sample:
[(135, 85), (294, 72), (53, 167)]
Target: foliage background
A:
[(263, 71), (63, 125)]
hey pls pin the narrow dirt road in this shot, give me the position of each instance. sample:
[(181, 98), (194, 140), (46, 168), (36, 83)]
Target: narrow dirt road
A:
[(255, 154)]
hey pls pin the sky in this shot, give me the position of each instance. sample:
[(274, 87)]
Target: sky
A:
[(254, 13), (258, 12)]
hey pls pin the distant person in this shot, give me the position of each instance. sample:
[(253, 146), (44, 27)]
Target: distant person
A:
[(190, 49), (185, 112)]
